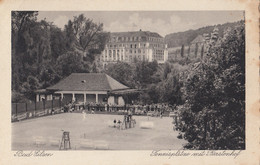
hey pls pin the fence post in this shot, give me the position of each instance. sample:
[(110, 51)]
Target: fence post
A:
[(34, 108), (26, 110), (43, 104), (16, 109), (52, 104), (60, 104)]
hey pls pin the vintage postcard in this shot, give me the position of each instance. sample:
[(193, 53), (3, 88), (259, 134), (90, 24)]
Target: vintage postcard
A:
[(133, 82)]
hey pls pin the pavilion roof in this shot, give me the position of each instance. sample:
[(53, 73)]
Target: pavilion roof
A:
[(88, 82), (125, 92)]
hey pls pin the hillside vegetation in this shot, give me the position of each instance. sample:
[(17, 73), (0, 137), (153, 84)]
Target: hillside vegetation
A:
[(185, 38)]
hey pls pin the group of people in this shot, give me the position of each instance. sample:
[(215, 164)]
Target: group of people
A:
[(128, 121), (137, 109)]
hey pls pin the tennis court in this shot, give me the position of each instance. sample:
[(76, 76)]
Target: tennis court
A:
[(94, 132)]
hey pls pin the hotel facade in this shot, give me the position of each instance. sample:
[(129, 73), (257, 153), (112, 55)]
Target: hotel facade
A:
[(132, 46)]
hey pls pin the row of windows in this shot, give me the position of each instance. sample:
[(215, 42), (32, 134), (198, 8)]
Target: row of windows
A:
[(159, 51), (138, 45), (116, 39), (157, 45), (135, 38), (136, 51), (130, 51), (158, 57), (115, 58)]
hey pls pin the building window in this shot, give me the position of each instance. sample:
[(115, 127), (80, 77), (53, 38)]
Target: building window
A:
[(131, 46), (135, 45), (130, 51)]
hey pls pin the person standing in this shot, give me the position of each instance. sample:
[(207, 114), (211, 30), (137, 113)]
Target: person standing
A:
[(84, 114)]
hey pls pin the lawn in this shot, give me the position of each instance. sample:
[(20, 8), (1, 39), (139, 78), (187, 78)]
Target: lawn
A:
[(94, 129)]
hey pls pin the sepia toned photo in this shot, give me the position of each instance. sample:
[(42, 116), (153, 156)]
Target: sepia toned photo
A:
[(128, 80)]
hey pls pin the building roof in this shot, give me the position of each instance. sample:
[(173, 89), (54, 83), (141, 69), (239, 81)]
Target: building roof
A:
[(88, 82), (135, 34), (125, 91), (198, 39)]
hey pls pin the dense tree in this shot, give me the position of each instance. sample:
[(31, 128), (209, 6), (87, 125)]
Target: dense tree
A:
[(182, 51), (166, 70), (143, 73), (196, 50), (71, 62), (58, 42), (45, 53), (29, 87), (21, 21), (214, 113), (202, 51), (170, 88), (188, 54), (85, 35), (122, 72), (48, 75)]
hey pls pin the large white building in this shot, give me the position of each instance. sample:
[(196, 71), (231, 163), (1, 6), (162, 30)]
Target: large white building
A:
[(137, 45)]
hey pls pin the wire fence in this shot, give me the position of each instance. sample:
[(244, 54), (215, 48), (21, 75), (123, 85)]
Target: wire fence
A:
[(22, 111)]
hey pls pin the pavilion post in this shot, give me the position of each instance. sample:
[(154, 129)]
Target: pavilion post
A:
[(96, 98), (73, 97), (61, 95), (85, 98)]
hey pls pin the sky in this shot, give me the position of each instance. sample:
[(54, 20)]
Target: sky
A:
[(162, 22)]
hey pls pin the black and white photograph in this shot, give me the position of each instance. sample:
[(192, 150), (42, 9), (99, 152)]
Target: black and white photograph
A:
[(128, 80)]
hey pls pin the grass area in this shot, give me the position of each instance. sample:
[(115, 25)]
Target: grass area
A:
[(94, 128)]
